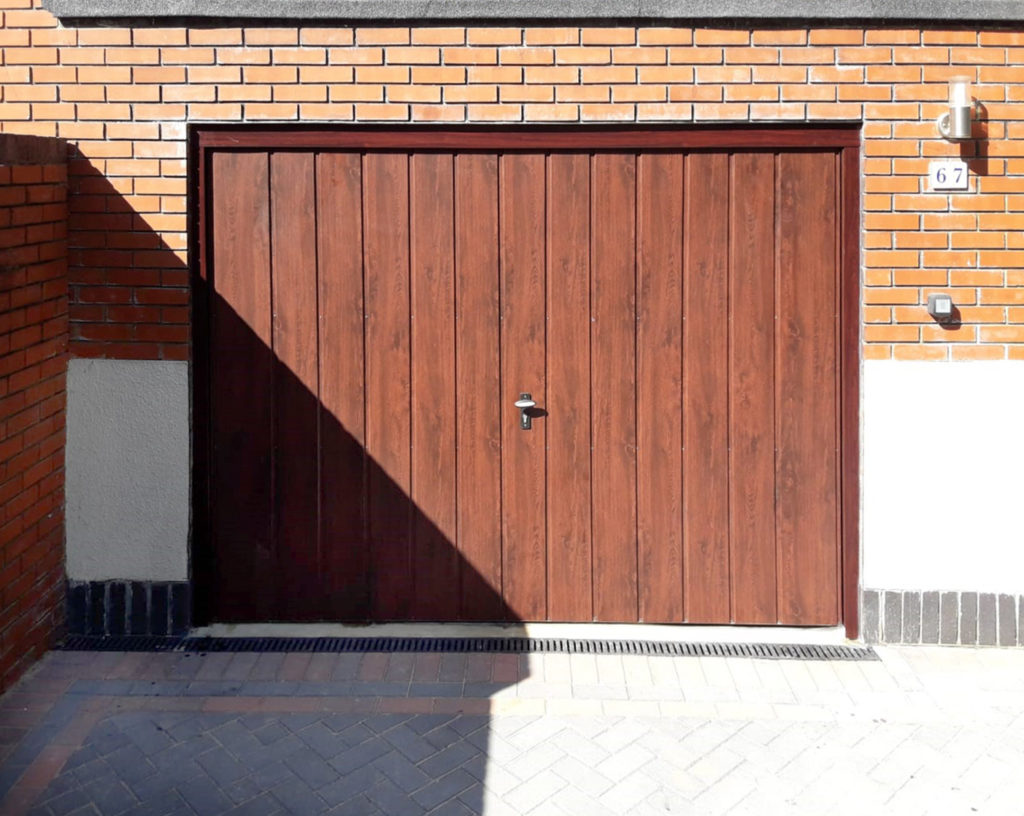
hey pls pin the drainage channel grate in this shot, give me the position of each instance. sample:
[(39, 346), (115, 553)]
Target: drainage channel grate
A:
[(510, 645)]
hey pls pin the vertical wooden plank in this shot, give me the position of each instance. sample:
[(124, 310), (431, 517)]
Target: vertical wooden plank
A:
[(522, 363), (752, 387), (386, 292), (705, 389), (478, 386), (432, 215), (296, 387), (807, 392), (570, 571), (613, 385), (659, 386), (342, 465), (241, 396)]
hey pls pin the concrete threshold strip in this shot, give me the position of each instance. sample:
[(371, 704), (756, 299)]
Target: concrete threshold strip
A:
[(654, 641)]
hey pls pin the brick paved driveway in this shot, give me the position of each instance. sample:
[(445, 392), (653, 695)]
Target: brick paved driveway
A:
[(926, 730)]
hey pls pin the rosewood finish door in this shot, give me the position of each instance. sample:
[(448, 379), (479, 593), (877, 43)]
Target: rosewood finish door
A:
[(374, 313)]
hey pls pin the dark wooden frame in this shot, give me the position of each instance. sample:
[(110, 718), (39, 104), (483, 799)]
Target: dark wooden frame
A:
[(845, 138), (541, 138), (849, 393)]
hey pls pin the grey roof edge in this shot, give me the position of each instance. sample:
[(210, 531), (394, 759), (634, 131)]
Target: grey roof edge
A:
[(932, 11)]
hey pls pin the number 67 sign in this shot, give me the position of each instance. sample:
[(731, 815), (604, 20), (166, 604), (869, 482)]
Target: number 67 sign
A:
[(947, 175)]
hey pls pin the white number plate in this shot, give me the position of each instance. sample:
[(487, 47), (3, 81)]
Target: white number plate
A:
[(947, 175)]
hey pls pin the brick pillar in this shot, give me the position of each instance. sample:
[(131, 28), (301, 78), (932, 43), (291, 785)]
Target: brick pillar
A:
[(33, 362)]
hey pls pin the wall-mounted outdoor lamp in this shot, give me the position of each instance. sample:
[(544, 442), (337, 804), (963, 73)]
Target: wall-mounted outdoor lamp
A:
[(955, 125), (940, 307)]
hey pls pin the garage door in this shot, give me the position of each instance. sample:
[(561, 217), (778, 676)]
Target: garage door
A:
[(372, 312)]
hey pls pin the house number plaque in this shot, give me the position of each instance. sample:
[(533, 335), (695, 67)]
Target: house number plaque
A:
[(949, 174)]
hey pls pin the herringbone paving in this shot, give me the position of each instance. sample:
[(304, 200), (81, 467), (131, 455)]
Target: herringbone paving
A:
[(924, 731)]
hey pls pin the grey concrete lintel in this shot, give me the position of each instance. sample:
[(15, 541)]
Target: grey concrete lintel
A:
[(933, 11)]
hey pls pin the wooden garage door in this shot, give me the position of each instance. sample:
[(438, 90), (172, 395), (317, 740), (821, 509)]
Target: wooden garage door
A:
[(372, 315)]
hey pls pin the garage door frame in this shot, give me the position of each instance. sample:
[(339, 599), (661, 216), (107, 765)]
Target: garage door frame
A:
[(844, 138)]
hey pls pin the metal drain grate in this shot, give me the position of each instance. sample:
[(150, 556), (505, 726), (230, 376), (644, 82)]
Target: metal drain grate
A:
[(121, 643), (510, 645)]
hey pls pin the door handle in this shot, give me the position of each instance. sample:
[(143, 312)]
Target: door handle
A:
[(524, 404)]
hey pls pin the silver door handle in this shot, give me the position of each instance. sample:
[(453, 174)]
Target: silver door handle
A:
[(524, 404)]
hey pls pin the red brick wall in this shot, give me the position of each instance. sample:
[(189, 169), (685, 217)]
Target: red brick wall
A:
[(33, 360), (124, 96)]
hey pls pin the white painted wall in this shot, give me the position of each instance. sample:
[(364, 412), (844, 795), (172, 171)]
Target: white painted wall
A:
[(127, 477), (943, 476)]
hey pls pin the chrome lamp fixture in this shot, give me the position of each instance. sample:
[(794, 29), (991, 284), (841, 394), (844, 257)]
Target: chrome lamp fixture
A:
[(955, 125)]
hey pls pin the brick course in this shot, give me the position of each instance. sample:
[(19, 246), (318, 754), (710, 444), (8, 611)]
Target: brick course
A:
[(33, 359), (123, 96)]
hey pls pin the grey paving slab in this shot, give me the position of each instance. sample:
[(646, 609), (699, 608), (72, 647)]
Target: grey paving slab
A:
[(308, 766), (179, 759), (360, 806), (349, 786), (392, 800), (205, 797), (360, 755), (272, 774), (242, 790), (319, 738), (444, 789), (129, 766), (449, 758), (66, 802), (409, 743), (149, 737), (109, 797), (297, 798), (263, 805), (221, 766)]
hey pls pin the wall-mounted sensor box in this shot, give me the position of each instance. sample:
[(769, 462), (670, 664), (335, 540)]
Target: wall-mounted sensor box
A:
[(940, 307)]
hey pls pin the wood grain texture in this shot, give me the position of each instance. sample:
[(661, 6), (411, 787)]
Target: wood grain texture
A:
[(478, 387), (705, 390), (343, 495), (241, 405), (386, 270), (613, 385), (296, 384), (659, 395), (522, 363), (807, 521), (570, 569), (752, 387), (433, 409)]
